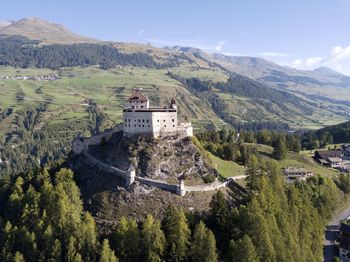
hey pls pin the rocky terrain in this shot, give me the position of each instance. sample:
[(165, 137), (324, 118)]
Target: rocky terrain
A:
[(169, 159), (106, 197)]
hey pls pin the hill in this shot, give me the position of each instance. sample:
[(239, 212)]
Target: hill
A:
[(38, 118), (38, 29)]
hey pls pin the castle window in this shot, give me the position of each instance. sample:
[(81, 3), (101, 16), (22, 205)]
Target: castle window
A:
[(164, 120), (164, 125), (173, 120), (134, 125), (149, 126), (158, 120), (143, 120), (173, 125), (139, 125), (141, 106), (129, 120), (143, 125), (139, 120), (147, 120)]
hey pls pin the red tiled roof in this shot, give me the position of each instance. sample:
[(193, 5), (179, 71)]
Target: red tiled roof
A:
[(138, 96)]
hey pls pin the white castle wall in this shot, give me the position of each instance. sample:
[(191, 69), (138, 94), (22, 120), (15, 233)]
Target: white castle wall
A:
[(149, 123), (139, 105), (137, 123), (164, 122)]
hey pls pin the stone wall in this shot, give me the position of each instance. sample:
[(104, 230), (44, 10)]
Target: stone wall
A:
[(80, 144), (128, 175), (159, 184)]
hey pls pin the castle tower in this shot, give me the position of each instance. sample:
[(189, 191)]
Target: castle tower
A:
[(138, 100)]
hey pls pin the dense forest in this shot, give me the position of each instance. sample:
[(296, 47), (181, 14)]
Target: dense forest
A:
[(21, 52), (339, 133), (42, 219), (28, 146)]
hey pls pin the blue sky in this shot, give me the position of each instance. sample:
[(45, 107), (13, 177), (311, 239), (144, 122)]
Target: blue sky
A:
[(299, 33)]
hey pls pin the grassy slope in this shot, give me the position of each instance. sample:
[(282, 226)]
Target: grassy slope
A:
[(108, 88), (227, 168), (303, 159), (111, 88)]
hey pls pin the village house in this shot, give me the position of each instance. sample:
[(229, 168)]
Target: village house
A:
[(328, 157), (297, 173), (335, 162), (346, 149), (344, 242)]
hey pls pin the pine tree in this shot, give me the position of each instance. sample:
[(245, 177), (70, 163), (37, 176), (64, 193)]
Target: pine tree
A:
[(253, 173), (242, 250), (280, 148), (127, 240), (203, 246), (19, 257), (107, 255), (219, 219), (89, 238), (153, 240), (177, 234)]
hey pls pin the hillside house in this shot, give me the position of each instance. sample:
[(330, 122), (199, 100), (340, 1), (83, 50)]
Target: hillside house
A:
[(335, 162), (346, 149), (297, 173), (322, 156), (344, 242)]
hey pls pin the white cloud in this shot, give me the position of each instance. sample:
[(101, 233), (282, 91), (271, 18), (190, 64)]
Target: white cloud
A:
[(337, 59), (274, 54), (297, 63), (196, 43), (313, 61), (220, 45), (141, 32)]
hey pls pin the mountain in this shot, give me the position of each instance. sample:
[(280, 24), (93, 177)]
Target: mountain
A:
[(48, 33), (5, 23), (214, 89), (327, 72)]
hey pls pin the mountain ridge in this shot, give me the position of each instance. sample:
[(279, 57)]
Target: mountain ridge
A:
[(321, 91), (48, 33)]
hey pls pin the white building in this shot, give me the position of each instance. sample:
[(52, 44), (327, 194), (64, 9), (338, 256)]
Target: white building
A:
[(139, 118), (298, 173)]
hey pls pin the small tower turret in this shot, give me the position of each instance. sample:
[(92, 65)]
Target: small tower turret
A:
[(173, 103)]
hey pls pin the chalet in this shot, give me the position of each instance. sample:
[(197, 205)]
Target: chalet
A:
[(298, 173), (344, 242), (334, 162), (322, 156), (346, 149)]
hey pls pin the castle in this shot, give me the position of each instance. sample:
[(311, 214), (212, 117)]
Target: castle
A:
[(142, 119)]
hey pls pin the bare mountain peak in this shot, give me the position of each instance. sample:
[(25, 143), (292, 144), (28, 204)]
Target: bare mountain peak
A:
[(47, 32), (327, 71)]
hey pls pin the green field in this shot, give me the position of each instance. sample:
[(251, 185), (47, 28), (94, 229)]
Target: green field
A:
[(227, 168), (303, 159)]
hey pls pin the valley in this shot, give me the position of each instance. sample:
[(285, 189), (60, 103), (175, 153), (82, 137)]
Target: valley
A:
[(92, 169)]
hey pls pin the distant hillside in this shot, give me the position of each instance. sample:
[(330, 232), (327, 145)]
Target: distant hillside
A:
[(340, 133), (44, 31), (213, 89)]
